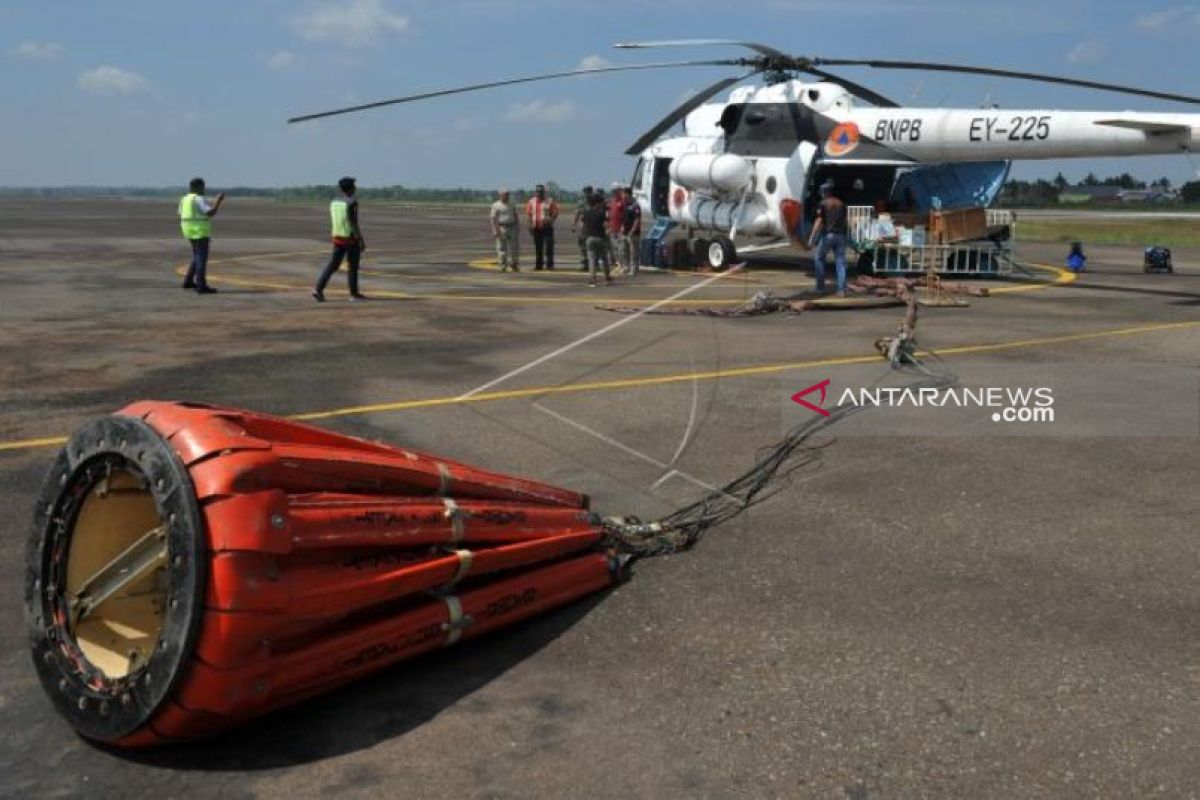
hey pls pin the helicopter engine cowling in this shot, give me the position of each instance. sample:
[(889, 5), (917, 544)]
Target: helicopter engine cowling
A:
[(723, 172)]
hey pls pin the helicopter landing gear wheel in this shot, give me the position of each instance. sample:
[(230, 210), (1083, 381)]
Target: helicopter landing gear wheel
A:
[(700, 252), (721, 253)]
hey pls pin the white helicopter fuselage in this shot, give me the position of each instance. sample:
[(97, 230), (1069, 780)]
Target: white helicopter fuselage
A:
[(745, 167)]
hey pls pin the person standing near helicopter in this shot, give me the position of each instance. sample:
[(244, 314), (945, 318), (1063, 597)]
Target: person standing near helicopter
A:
[(616, 224), (503, 216), (829, 233), (540, 214), (577, 226), (595, 228)]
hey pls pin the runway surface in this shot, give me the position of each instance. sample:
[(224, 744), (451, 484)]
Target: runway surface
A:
[(953, 616)]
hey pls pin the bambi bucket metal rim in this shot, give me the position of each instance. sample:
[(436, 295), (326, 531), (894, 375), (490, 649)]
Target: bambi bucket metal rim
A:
[(96, 575)]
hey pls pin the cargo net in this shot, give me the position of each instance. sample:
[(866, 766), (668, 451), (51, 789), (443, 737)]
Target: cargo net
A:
[(774, 465), (864, 288)]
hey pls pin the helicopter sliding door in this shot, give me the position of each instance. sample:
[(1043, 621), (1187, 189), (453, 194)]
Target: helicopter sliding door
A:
[(854, 184), (660, 187)]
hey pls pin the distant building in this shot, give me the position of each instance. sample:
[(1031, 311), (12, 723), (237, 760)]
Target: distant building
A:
[(1114, 195), (1079, 195)]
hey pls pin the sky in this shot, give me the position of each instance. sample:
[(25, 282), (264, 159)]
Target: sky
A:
[(152, 92)]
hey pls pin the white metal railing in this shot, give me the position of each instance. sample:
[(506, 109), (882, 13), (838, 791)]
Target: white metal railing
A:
[(983, 257), (945, 259), (999, 216), (860, 219)]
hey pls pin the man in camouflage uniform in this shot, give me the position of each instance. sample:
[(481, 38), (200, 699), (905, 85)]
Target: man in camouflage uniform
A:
[(503, 216), (577, 226)]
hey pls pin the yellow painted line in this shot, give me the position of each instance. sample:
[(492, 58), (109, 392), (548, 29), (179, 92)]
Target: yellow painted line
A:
[(660, 380), (599, 298), (765, 369), (1062, 278), (31, 444), (592, 386), (533, 278), (260, 256), (1074, 337), (491, 265)]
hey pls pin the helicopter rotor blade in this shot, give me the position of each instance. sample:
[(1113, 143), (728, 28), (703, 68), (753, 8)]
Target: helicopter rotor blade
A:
[(856, 89), (511, 81), (1003, 73), (761, 49), (685, 108)]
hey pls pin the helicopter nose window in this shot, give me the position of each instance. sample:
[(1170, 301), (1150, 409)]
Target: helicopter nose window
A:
[(730, 117)]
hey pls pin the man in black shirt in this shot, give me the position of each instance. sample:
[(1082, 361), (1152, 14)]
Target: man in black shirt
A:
[(594, 228), (830, 233)]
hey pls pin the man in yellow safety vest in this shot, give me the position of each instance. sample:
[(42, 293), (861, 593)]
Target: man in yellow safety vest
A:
[(195, 219), (348, 242)]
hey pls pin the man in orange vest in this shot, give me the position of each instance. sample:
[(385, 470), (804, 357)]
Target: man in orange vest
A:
[(540, 213)]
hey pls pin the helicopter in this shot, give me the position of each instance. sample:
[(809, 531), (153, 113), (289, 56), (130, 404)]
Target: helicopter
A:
[(748, 169)]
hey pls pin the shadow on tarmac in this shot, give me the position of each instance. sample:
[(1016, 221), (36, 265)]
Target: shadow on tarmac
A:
[(364, 713)]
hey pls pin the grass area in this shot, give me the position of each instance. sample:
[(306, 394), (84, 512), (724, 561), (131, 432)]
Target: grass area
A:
[(1121, 231)]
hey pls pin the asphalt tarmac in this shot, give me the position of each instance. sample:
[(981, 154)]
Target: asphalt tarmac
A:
[(960, 615)]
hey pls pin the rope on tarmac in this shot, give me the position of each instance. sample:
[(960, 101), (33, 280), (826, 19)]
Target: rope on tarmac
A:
[(774, 465)]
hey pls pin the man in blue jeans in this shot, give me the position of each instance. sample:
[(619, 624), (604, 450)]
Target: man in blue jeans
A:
[(348, 242), (829, 233), (195, 218)]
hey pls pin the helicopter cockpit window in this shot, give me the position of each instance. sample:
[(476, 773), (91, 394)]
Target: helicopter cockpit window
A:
[(731, 116)]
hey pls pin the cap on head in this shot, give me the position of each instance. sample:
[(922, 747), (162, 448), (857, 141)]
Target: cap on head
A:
[(541, 187), (587, 190), (827, 188), (346, 184), (196, 185)]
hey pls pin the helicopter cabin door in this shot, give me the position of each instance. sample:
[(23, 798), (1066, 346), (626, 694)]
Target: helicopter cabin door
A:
[(660, 186)]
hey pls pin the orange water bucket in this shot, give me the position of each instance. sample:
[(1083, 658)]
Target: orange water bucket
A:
[(192, 567)]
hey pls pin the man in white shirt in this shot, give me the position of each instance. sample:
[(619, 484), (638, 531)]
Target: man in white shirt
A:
[(503, 216)]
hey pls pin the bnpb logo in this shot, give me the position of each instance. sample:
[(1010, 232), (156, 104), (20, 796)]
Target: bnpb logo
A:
[(842, 140)]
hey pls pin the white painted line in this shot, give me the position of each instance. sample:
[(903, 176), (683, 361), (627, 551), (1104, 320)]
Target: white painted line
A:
[(597, 334), (666, 476), (627, 449), (687, 434)]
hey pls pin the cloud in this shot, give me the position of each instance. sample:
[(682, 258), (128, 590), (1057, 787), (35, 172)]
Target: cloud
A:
[(281, 59), (352, 23), (111, 80), (540, 112), (1168, 18), (593, 62), (39, 51), (1088, 52)]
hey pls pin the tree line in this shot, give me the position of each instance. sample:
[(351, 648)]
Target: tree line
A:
[(313, 192), (1044, 192), (1039, 192)]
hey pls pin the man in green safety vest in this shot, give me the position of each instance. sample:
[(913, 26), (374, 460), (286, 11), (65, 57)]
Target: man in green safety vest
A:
[(348, 242), (195, 218)]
